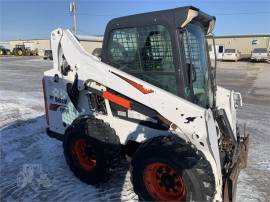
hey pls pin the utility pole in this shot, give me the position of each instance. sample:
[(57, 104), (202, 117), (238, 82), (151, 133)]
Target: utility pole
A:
[(72, 9)]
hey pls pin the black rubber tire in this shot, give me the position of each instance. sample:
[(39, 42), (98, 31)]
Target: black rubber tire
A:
[(189, 163), (103, 140)]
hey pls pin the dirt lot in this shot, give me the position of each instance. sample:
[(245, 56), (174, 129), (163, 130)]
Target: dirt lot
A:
[(33, 167)]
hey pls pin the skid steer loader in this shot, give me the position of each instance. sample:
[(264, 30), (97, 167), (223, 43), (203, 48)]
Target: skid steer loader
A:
[(151, 95)]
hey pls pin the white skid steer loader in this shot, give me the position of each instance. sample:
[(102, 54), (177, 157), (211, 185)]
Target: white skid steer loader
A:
[(150, 94)]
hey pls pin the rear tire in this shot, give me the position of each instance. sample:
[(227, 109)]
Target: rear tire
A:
[(19, 53), (91, 149), (169, 169)]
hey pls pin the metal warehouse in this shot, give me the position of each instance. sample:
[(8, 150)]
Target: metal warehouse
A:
[(88, 42), (40, 44), (243, 43)]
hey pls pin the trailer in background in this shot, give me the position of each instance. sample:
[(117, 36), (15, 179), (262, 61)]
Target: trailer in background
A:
[(219, 51)]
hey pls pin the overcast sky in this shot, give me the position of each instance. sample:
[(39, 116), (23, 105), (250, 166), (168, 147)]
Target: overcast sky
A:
[(29, 19)]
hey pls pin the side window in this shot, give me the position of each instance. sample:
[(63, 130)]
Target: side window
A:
[(194, 55), (156, 49), (123, 49), (195, 52), (145, 52)]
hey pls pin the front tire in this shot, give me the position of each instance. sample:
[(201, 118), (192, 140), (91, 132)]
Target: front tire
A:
[(91, 149), (169, 169)]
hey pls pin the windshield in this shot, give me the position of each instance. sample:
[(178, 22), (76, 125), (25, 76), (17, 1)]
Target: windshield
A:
[(230, 51), (260, 50), (197, 65)]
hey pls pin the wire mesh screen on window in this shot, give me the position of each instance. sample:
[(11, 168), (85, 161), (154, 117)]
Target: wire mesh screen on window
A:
[(146, 53), (141, 49), (193, 56)]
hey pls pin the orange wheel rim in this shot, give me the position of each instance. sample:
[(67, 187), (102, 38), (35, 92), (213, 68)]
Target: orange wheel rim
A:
[(83, 152), (163, 183)]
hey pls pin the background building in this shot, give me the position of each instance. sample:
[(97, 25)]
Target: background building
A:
[(88, 42), (243, 43), (40, 44), (4, 45)]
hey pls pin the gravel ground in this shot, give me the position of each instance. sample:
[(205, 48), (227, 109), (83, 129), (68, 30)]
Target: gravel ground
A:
[(33, 166)]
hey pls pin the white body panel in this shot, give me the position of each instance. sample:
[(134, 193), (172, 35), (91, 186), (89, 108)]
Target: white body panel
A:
[(202, 131), (225, 99)]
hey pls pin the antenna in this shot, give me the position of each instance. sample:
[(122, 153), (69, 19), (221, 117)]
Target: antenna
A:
[(72, 10)]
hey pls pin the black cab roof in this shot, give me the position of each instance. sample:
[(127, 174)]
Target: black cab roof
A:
[(172, 17)]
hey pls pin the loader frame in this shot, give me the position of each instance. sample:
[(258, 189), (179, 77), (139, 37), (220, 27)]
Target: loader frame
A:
[(78, 78)]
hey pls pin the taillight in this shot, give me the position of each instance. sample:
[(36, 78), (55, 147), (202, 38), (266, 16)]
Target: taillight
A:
[(45, 101)]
